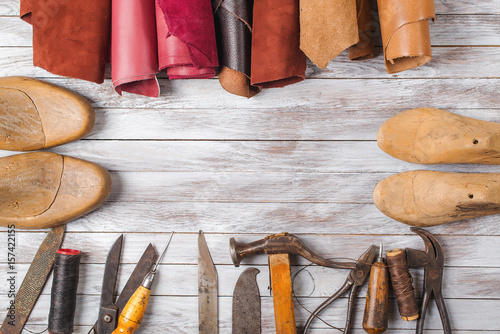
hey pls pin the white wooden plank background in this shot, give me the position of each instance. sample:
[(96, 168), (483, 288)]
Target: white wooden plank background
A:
[(302, 159)]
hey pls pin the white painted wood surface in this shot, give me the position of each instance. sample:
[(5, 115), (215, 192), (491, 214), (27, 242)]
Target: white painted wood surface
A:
[(302, 159)]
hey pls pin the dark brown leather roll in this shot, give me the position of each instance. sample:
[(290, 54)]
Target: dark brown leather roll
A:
[(277, 60), (233, 26), (405, 33), (70, 38), (364, 49)]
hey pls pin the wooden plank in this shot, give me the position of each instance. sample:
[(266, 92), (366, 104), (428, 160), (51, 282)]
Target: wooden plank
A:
[(176, 314), (311, 218), (460, 250), (447, 30), (334, 95), (447, 62), (248, 156), (311, 282)]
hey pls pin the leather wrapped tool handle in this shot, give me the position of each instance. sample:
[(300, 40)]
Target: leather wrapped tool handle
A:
[(402, 284), (377, 299)]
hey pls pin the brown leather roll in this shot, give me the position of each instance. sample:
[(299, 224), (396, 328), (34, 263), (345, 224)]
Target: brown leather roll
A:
[(70, 38), (405, 33), (327, 27), (364, 49), (277, 60), (233, 23)]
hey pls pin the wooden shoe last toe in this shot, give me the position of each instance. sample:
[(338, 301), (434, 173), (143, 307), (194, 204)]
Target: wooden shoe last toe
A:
[(44, 189), (434, 136), (428, 198), (35, 115)]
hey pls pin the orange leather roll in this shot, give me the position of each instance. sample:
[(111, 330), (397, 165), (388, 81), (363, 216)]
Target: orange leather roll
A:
[(276, 59), (364, 48), (405, 33)]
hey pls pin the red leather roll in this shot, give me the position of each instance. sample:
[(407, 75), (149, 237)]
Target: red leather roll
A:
[(134, 55), (70, 38), (277, 60), (186, 39)]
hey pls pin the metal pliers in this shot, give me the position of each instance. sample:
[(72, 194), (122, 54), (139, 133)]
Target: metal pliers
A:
[(432, 260), (355, 279)]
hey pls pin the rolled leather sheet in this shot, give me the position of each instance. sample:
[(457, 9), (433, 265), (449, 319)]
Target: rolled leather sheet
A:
[(327, 27), (186, 39), (364, 48), (134, 55), (404, 25), (70, 38), (277, 60), (233, 27)]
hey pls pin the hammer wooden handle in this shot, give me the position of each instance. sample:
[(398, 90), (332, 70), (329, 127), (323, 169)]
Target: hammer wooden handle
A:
[(281, 284)]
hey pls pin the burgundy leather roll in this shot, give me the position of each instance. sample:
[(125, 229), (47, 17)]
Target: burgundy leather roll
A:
[(186, 38), (233, 26), (70, 38), (277, 60), (134, 55)]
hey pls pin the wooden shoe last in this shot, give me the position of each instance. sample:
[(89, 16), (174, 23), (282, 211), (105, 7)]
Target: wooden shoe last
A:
[(434, 136), (44, 189), (428, 198), (35, 115)]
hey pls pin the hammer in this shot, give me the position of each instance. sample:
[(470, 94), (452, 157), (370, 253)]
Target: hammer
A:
[(279, 247)]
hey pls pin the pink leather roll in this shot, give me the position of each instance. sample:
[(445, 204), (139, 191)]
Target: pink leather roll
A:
[(186, 39), (134, 55)]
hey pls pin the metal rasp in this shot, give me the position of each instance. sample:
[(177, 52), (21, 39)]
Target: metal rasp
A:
[(246, 304), (207, 289), (34, 281)]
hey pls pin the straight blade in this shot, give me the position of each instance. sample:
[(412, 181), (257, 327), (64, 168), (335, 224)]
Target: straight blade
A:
[(207, 289), (246, 304)]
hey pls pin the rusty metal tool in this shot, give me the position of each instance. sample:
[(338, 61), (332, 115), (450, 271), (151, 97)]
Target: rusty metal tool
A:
[(279, 247), (109, 309), (432, 259), (207, 289), (377, 297), (246, 304), (354, 281), (131, 316)]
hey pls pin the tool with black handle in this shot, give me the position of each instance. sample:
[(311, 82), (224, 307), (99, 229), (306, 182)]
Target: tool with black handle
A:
[(131, 317), (377, 298)]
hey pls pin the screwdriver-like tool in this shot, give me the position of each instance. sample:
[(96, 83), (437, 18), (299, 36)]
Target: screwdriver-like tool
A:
[(131, 317), (377, 297)]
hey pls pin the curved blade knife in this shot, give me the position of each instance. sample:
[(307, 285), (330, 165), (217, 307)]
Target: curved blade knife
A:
[(246, 304)]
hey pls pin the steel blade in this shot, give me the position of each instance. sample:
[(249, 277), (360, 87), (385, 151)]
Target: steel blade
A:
[(246, 304), (207, 289), (111, 273)]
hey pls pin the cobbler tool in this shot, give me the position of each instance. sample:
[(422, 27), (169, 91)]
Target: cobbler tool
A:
[(377, 297), (110, 308), (354, 281), (279, 247), (246, 304), (207, 289), (432, 259), (131, 316), (33, 282)]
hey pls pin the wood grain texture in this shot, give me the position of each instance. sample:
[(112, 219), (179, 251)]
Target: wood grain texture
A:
[(302, 159)]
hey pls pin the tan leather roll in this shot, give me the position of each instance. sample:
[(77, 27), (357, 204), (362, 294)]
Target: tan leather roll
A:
[(327, 27), (405, 33)]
